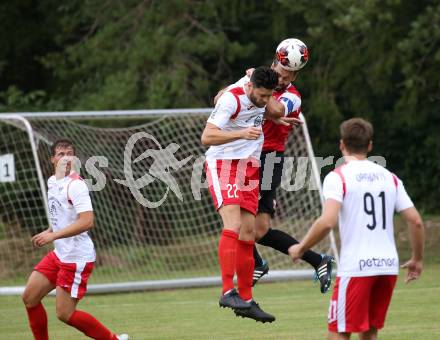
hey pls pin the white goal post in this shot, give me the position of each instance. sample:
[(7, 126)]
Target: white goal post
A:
[(156, 226)]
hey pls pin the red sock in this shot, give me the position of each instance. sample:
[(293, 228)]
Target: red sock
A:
[(38, 321), (91, 327), (245, 268), (227, 248)]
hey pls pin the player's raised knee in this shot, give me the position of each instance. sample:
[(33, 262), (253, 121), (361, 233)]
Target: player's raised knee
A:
[(63, 314)]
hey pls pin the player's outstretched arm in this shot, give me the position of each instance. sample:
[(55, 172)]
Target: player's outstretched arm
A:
[(416, 231), (213, 135), (84, 222), (274, 109), (286, 121)]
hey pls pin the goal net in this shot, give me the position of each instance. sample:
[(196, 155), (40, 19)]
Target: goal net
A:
[(156, 225)]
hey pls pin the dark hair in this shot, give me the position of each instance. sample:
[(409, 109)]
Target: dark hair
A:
[(62, 143), (356, 133), (264, 76)]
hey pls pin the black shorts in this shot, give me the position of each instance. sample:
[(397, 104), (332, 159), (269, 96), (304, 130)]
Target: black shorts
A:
[(269, 182)]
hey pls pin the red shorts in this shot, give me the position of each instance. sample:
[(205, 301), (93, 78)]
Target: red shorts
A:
[(72, 277), (359, 303), (234, 181)]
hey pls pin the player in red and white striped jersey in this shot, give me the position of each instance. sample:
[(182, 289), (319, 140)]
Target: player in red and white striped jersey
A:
[(68, 267), (364, 196), (234, 134)]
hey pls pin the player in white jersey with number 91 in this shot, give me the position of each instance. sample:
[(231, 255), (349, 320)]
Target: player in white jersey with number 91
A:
[(364, 195), (68, 267)]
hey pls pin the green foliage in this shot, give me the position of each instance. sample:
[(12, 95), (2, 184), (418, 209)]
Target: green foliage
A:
[(379, 59), (15, 100), (416, 111), (142, 55)]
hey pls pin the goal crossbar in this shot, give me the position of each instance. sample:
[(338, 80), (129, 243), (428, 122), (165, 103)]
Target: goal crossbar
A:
[(40, 129)]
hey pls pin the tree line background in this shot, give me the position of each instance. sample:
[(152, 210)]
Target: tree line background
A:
[(378, 59)]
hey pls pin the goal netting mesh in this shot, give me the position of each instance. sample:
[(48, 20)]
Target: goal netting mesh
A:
[(134, 240)]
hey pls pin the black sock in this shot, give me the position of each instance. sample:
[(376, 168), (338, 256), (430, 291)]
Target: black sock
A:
[(257, 258), (281, 241)]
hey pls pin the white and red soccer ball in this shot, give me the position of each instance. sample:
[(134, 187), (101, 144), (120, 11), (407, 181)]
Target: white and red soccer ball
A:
[(292, 54)]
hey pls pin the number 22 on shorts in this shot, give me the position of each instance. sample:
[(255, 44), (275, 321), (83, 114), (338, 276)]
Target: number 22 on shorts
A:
[(232, 190)]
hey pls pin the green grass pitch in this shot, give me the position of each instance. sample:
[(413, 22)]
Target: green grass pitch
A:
[(300, 308)]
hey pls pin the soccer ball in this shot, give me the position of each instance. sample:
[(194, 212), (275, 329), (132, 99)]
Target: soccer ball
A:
[(292, 54)]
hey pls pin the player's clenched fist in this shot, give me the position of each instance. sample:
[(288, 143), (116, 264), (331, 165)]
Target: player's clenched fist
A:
[(251, 133)]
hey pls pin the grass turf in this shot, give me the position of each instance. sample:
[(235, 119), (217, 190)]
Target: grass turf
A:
[(300, 308)]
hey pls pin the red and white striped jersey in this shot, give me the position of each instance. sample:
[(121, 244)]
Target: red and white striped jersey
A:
[(275, 135), (234, 111), (369, 194), (67, 197)]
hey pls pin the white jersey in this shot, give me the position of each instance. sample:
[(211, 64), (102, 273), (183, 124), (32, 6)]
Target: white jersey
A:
[(234, 111), (369, 194), (67, 197)]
